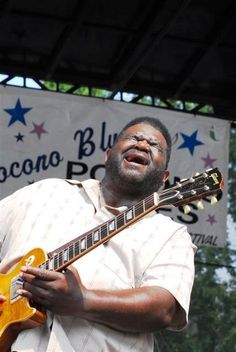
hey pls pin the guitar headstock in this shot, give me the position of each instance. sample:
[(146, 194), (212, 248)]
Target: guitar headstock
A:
[(202, 185)]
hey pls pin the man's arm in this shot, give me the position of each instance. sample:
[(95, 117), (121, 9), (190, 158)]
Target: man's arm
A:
[(142, 309)]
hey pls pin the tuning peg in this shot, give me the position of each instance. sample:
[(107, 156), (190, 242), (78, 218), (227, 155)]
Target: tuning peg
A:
[(200, 205), (187, 209), (197, 174), (214, 200)]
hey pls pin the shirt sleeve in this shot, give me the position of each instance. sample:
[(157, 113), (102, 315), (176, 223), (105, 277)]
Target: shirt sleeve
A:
[(173, 269)]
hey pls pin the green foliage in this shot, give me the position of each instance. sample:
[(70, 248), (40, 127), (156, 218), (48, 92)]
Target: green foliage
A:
[(101, 93), (212, 312), (65, 87), (232, 174)]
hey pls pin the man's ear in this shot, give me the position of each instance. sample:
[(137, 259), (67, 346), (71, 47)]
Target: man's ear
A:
[(166, 175), (107, 154)]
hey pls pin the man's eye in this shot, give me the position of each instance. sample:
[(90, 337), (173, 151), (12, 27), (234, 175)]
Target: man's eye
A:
[(131, 138), (157, 146)]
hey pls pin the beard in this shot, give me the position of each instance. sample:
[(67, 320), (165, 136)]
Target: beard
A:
[(131, 181)]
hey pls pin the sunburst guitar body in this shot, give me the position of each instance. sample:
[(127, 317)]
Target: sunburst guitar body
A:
[(16, 313)]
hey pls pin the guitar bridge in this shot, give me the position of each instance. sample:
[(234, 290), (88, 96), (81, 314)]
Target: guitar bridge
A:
[(16, 283)]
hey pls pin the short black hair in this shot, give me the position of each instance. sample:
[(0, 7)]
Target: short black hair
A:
[(157, 124)]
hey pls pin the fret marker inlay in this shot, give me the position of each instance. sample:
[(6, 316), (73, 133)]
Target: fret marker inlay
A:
[(96, 235), (112, 225), (65, 255), (83, 244), (129, 215)]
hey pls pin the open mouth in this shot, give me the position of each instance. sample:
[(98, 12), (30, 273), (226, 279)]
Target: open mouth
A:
[(137, 158)]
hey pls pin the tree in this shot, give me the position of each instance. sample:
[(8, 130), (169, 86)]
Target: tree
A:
[(212, 313), (232, 174)]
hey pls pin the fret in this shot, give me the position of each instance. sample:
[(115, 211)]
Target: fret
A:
[(71, 252), (77, 248), (104, 230), (60, 259), (55, 262), (138, 209), (149, 202), (120, 220), (89, 241)]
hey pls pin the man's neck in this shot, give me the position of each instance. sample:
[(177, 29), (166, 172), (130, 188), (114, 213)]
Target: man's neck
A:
[(116, 196)]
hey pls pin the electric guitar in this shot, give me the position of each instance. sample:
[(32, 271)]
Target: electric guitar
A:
[(17, 309)]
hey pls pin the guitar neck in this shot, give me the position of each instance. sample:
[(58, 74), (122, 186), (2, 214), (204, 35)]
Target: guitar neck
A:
[(78, 247), (185, 191)]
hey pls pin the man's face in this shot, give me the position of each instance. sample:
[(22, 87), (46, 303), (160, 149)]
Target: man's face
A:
[(138, 159)]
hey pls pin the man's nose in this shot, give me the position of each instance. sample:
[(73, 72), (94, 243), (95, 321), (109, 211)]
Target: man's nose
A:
[(143, 145)]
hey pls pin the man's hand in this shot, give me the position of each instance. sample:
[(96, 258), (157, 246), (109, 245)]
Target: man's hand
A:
[(2, 300), (61, 293), (141, 309)]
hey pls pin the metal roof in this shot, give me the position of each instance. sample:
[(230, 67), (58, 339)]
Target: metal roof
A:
[(170, 49)]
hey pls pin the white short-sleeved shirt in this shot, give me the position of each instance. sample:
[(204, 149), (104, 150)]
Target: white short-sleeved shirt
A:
[(155, 251)]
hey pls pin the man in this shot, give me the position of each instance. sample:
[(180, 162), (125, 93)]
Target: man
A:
[(117, 295)]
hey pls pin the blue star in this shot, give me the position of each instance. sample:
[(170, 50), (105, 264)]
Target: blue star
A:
[(190, 142), (19, 137), (17, 114)]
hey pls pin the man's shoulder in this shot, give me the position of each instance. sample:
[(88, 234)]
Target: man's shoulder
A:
[(44, 184), (39, 187), (176, 230), (167, 220), (56, 182)]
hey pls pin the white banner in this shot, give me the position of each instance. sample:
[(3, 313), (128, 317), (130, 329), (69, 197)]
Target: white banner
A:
[(45, 134)]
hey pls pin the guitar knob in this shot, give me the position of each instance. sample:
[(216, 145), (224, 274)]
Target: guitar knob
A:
[(187, 209), (200, 205), (214, 200)]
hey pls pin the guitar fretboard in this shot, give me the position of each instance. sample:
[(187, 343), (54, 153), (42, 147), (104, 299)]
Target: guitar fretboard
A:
[(210, 182), (65, 255)]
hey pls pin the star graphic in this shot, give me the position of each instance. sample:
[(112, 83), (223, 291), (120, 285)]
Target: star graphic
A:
[(211, 219), (17, 114), (208, 161), (19, 137), (39, 129), (190, 142)]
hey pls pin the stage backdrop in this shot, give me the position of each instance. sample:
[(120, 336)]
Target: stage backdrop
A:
[(45, 134)]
